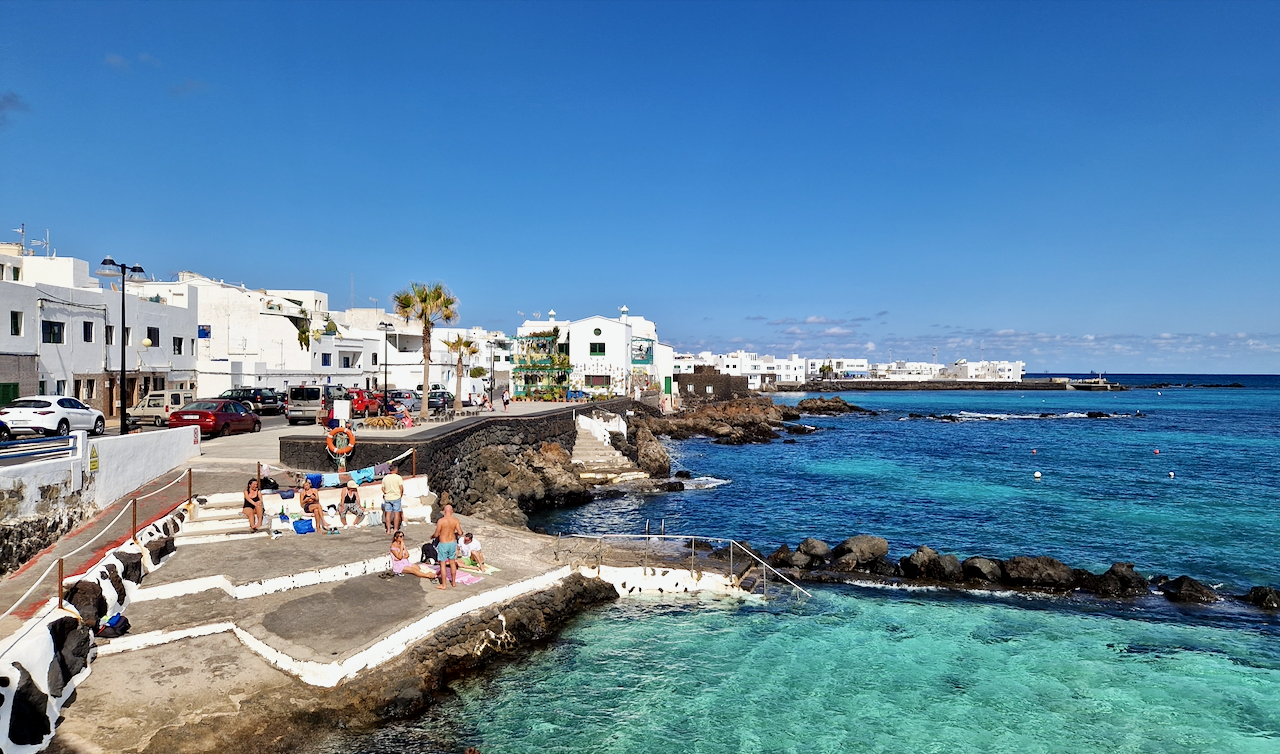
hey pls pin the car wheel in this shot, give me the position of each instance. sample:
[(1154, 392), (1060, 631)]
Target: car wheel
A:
[(99, 426), (158, 422), (5, 434), (257, 426), (224, 431), (64, 429)]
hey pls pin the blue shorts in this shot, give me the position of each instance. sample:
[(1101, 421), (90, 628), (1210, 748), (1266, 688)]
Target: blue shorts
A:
[(391, 506), (447, 551)]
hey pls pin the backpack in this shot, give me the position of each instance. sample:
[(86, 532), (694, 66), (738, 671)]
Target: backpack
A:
[(270, 484), (429, 554)]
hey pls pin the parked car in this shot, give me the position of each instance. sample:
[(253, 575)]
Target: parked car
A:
[(51, 415), (363, 402), (216, 416), (307, 401), (157, 406), (439, 399), (260, 400), (5, 434), (409, 398)]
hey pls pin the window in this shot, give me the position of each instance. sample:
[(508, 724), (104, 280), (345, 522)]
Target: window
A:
[(375, 359), (346, 362), (690, 386), (128, 336), (60, 388), (710, 389), (153, 335), (326, 359), (88, 390), (109, 334), (177, 346), (88, 331), (157, 383), (596, 331), (598, 380), (15, 324), (51, 332), (76, 387), (16, 272), (44, 388), (597, 349)]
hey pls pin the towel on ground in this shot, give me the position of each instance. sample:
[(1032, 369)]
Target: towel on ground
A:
[(382, 469), (464, 578), (329, 480), (315, 479), (467, 564), (362, 476)]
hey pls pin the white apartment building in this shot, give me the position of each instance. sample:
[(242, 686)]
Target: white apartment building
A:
[(609, 355), (986, 371), (268, 338), (909, 371), (842, 368), (761, 371), (403, 352), (63, 333)]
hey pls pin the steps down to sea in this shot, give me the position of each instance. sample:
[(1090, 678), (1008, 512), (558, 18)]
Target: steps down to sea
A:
[(601, 463)]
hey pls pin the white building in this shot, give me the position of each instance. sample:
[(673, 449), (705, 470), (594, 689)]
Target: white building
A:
[(268, 338), (403, 349), (761, 371), (841, 368), (908, 371), (597, 354), (986, 371), (63, 332)]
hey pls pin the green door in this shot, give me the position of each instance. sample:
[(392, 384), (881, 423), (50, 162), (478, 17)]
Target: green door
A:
[(8, 392), (666, 385)]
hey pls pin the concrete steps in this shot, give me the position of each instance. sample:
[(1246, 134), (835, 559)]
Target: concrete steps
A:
[(600, 463)]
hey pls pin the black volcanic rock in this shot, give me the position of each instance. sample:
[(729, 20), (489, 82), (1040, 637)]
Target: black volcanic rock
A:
[(1041, 572), (1120, 580), (945, 568), (1187, 589), (1264, 597), (916, 565), (815, 548), (981, 569), (780, 558), (863, 547)]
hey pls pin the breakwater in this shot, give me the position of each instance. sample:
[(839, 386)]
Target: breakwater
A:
[(841, 386)]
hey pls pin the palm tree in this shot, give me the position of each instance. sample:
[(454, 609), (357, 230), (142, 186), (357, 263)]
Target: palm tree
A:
[(463, 347), (428, 303)]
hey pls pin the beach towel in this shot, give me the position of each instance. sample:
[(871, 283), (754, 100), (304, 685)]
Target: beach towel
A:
[(329, 480), (382, 469), (463, 578), (362, 476), (469, 565), (315, 479)]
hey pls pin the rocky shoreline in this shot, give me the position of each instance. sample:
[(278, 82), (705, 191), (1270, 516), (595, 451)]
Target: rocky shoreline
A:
[(865, 557)]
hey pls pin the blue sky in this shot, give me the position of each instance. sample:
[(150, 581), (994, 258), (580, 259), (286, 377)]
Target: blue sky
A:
[(1079, 185)]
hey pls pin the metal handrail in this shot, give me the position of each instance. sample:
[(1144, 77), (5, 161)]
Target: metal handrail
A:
[(731, 543), (35, 446)]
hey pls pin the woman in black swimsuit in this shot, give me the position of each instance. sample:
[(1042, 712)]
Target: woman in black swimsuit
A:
[(252, 509)]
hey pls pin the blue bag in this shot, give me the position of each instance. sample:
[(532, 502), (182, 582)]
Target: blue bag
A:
[(304, 526)]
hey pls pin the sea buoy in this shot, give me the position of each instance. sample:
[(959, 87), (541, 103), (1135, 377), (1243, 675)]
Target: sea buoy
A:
[(1171, 475), (1037, 475), (1033, 451), (1157, 451)]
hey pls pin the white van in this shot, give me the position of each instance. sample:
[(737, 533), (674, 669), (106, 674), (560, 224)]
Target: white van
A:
[(155, 407)]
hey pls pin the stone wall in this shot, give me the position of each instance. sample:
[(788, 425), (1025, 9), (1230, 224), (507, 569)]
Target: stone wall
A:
[(19, 368), (702, 387), (467, 458)]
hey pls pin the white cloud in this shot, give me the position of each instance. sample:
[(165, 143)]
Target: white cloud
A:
[(116, 61)]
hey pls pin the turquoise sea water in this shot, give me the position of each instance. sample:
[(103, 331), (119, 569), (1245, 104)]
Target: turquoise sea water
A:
[(871, 670)]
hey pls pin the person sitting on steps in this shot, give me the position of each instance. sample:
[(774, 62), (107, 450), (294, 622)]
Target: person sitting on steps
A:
[(311, 506)]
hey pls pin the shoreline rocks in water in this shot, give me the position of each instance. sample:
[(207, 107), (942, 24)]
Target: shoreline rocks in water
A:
[(833, 406), (736, 422), (815, 560), (503, 484)]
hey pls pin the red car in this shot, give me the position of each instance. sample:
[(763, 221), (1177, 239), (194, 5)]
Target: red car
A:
[(363, 402), (216, 416)]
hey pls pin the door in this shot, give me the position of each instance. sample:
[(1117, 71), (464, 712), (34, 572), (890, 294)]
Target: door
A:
[(242, 420), (78, 415)]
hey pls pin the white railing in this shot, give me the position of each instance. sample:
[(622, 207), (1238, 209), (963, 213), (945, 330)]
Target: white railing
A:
[(38, 449), (734, 547)]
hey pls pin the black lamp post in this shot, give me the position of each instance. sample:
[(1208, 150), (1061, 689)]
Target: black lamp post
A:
[(110, 268), (386, 328)]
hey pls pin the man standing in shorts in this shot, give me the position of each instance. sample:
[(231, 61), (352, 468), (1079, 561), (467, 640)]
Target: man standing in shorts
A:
[(392, 492), (448, 529)]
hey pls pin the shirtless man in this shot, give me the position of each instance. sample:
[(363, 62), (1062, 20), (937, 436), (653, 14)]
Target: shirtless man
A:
[(448, 529)]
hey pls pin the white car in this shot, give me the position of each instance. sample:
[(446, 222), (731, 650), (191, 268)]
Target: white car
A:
[(52, 415)]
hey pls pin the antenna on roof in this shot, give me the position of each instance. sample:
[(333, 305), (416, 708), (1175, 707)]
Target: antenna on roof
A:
[(22, 229), (48, 249)]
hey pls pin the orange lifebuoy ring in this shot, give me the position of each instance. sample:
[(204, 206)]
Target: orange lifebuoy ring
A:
[(333, 447)]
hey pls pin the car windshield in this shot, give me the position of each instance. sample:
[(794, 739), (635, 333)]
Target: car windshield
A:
[(201, 406), (29, 403)]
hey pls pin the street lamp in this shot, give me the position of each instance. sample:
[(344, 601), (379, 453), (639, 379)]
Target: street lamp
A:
[(110, 268), (385, 327)]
